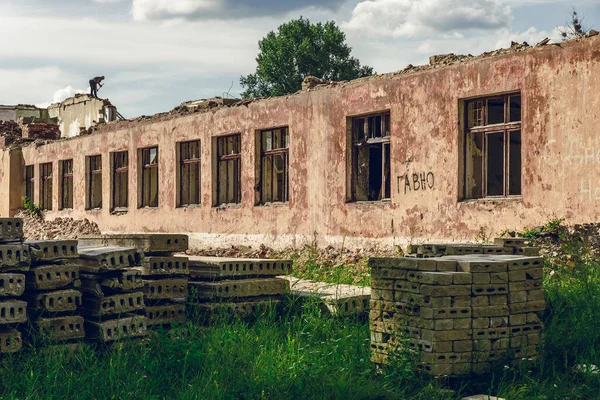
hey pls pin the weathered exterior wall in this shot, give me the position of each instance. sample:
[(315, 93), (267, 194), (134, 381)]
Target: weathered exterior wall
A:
[(81, 111), (11, 180), (560, 87), (13, 113)]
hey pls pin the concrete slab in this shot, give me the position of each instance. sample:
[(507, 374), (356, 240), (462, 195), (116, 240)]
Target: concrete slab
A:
[(10, 340), (165, 314), (115, 304), (202, 267), (50, 250), (102, 259), (57, 301), (61, 328), (14, 257), (167, 289), (147, 243), (128, 326), (12, 284), (13, 311), (337, 299), (11, 229), (48, 277), (159, 266), (228, 289), (115, 282)]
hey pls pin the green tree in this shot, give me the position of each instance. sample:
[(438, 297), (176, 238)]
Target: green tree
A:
[(299, 49)]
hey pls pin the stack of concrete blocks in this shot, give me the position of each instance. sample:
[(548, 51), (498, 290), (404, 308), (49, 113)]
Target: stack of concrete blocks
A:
[(164, 275), (113, 293), (332, 299), (14, 261), (226, 287), (460, 314), (501, 246), (52, 291)]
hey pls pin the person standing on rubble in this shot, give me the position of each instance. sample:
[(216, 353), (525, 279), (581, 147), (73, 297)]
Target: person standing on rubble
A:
[(94, 83)]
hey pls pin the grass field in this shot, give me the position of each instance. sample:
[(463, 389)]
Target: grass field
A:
[(303, 355)]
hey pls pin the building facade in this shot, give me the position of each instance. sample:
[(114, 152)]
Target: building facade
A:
[(447, 152)]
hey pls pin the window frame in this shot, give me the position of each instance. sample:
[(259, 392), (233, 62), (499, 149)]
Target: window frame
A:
[(370, 137), (236, 160), (146, 164), (64, 178), (46, 186), (90, 173), (263, 156), (118, 170), (185, 167), (30, 182), (506, 128)]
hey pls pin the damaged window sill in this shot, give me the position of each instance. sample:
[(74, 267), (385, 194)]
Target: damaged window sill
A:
[(119, 211), (492, 200), (277, 204), (384, 202), (227, 206), (192, 206)]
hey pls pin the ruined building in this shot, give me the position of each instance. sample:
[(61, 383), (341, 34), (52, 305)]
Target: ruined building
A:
[(464, 146)]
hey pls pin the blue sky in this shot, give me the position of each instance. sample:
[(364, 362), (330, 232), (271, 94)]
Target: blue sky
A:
[(156, 54)]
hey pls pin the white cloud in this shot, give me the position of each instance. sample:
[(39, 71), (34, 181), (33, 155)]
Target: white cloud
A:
[(531, 36), (61, 94), (419, 18), (107, 1), (150, 9)]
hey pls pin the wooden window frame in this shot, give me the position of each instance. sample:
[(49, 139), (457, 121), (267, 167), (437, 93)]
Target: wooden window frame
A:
[(66, 184), (146, 165), (46, 186), (30, 182), (93, 168), (269, 155), (485, 129), (120, 168), (370, 133), (186, 163), (233, 159)]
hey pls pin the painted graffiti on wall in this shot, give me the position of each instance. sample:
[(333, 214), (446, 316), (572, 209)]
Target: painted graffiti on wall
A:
[(589, 190), (416, 181)]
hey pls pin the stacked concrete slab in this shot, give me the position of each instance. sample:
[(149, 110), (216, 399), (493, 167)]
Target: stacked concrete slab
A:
[(501, 246), (236, 286), (459, 313), (15, 260), (163, 274), (52, 290), (113, 293), (334, 299)]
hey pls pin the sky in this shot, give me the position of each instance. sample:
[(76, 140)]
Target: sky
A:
[(156, 54)]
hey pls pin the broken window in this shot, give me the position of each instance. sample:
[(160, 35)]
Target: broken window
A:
[(66, 184), (229, 173), (149, 168), (189, 173), (94, 182), (46, 186), (274, 160), (29, 181), (493, 147), (370, 178), (120, 180)]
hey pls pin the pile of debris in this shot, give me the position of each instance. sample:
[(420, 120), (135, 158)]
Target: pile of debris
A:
[(38, 228)]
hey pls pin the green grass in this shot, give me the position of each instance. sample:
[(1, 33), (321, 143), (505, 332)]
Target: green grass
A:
[(302, 354)]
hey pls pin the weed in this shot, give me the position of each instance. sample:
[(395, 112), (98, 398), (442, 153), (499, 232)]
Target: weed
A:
[(32, 209)]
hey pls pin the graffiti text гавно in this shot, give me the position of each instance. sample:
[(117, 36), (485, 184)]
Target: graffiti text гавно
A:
[(416, 181)]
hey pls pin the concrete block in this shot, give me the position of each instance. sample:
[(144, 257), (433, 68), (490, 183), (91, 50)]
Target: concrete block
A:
[(157, 266), (61, 328), (511, 242), (13, 311), (103, 259), (482, 278), (381, 295), (12, 284), (11, 229), (500, 300), (382, 273), (223, 268), (525, 285), (445, 358), (527, 329), (117, 329), (171, 289), (383, 284), (115, 304), (101, 285), (489, 290), (497, 278), (482, 264), (147, 243), (463, 346), (10, 340), (518, 263), (431, 346), (51, 250), (165, 314), (446, 313), (491, 333), (430, 278), (57, 301), (14, 257), (408, 263), (462, 323), (527, 251), (490, 311), (49, 277), (479, 301), (444, 336), (454, 290), (241, 288), (498, 322), (462, 278), (526, 274)]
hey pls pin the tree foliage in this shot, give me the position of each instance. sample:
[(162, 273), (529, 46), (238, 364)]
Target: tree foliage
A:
[(299, 49)]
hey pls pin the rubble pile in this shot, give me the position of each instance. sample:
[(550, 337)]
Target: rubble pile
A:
[(52, 291), (460, 313), (15, 260), (164, 275), (37, 228)]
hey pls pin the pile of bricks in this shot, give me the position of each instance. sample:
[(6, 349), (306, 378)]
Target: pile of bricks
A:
[(113, 293), (52, 291), (460, 314), (224, 287), (14, 260), (164, 275)]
